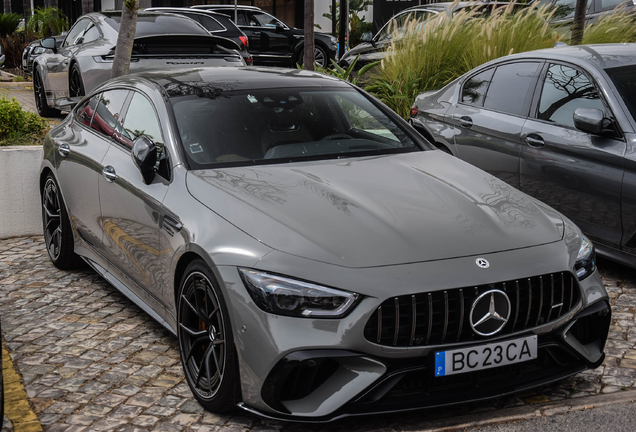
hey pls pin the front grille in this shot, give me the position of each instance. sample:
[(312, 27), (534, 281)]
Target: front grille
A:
[(443, 316)]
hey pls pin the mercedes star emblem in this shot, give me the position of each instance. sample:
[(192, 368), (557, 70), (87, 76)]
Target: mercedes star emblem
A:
[(482, 263), (490, 312)]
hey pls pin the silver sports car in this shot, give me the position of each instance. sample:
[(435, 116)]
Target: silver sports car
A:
[(85, 57), (314, 255)]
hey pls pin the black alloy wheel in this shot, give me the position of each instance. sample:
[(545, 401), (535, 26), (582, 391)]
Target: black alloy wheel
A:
[(321, 58), (58, 237), (40, 98), (76, 85), (205, 340)]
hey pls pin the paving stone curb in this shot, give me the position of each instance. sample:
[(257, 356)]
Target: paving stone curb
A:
[(26, 85)]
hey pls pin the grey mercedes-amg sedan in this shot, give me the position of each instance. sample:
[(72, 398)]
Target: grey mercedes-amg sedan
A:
[(315, 256)]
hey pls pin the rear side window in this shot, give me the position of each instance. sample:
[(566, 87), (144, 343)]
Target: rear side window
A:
[(474, 90), (76, 32), (565, 89), (107, 115), (509, 87), (211, 24)]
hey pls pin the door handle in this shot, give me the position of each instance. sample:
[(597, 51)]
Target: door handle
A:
[(109, 174), (64, 150), (535, 141), (465, 122)]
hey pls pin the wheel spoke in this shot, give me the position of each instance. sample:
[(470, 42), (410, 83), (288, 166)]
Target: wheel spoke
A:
[(216, 362), (48, 224), (51, 215), (207, 366), (197, 341), (193, 333), (196, 312)]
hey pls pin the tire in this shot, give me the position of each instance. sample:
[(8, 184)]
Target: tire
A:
[(40, 97), (75, 83), (321, 58), (58, 236), (206, 343)]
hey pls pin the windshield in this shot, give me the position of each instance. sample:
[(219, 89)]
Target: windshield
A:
[(283, 125), (624, 79)]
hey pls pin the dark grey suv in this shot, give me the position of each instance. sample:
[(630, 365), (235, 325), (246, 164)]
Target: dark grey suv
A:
[(559, 124)]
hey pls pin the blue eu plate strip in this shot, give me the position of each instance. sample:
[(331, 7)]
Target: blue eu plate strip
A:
[(440, 363)]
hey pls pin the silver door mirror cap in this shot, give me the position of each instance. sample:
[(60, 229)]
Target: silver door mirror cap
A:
[(589, 120)]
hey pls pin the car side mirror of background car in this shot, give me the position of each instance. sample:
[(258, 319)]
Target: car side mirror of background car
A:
[(279, 27), (589, 120), (48, 43), (144, 155), (366, 37)]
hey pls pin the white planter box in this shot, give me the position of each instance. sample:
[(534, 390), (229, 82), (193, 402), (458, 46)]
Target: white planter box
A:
[(20, 210)]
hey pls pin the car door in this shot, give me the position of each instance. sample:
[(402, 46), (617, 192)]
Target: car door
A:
[(577, 173), (276, 38), (57, 64), (490, 114), (79, 161), (131, 210)]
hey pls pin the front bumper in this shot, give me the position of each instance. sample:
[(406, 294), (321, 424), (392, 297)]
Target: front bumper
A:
[(322, 369)]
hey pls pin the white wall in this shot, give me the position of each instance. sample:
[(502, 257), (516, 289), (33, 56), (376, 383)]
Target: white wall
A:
[(20, 210), (322, 6), (108, 5)]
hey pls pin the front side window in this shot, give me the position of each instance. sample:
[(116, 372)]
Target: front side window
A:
[(624, 78), (107, 120), (509, 87), (141, 119), (283, 125), (76, 32), (474, 90), (565, 89), (85, 111), (261, 19)]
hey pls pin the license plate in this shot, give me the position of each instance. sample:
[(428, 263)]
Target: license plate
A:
[(485, 356)]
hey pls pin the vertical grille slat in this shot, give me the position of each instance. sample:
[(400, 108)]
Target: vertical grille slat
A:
[(439, 317), (445, 316), (430, 318), (413, 319), (397, 321), (461, 313)]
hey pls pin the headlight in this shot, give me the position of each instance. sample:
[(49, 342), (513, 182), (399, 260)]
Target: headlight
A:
[(334, 41), (282, 296), (585, 260)]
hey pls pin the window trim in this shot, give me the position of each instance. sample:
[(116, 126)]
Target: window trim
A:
[(90, 122)]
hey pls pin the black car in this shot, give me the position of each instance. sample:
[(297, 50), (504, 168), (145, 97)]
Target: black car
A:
[(34, 49), (559, 124), (373, 47), (217, 24), (271, 41)]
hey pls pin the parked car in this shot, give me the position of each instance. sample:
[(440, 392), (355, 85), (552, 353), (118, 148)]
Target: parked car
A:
[(314, 255), (84, 59), (216, 23), (34, 49), (564, 13), (557, 124), (373, 47), (274, 43)]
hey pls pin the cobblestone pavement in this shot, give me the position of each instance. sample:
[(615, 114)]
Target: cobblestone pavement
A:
[(89, 359)]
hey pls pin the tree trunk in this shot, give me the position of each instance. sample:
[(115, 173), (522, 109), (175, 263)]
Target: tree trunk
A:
[(126, 38), (578, 25), (51, 3), (7, 6), (308, 60), (26, 4)]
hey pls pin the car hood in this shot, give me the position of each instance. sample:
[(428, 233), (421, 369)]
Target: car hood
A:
[(376, 211), (362, 49)]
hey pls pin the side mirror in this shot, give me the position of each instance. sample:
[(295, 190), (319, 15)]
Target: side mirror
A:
[(366, 37), (144, 155), (279, 27), (589, 120), (48, 43)]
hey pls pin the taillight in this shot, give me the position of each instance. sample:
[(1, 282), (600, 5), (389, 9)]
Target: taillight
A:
[(414, 111), (245, 41)]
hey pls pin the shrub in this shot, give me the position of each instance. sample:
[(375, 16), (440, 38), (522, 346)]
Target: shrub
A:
[(9, 23), (445, 47), (47, 22), (617, 27), (12, 46), (17, 125)]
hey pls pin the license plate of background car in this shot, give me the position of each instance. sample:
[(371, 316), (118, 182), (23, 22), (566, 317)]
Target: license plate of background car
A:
[(485, 356)]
